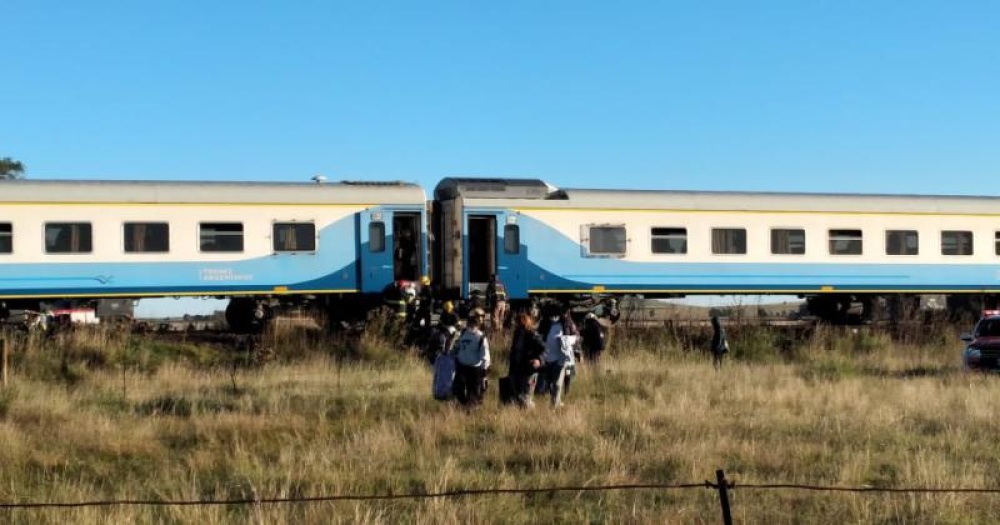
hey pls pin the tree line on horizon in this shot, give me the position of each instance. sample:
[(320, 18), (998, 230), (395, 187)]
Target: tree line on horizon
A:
[(11, 169)]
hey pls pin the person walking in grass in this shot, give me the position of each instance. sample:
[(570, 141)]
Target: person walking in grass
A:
[(526, 351), (720, 346), (558, 355), (472, 353)]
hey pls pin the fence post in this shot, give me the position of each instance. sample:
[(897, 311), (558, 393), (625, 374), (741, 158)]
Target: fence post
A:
[(720, 478), (3, 362)]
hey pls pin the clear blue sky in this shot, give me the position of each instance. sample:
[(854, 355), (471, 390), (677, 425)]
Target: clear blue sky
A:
[(856, 96)]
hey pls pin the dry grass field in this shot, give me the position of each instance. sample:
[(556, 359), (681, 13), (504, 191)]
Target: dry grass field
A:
[(94, 416)]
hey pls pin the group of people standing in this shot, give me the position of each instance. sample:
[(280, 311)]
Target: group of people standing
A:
[(543, 357), (544, 353)]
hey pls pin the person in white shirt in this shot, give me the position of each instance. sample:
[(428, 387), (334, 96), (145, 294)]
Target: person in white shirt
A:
[(472, 355)]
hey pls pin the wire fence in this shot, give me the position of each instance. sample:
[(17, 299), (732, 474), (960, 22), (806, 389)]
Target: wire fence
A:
[(721, 485)]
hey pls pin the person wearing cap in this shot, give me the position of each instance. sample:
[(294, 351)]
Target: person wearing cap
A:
[(448, 316), (472, 354), (425, 302)]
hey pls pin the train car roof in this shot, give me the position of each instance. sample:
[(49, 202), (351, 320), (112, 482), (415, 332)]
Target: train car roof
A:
[(164, 192), (491, 188), (574, 198), (774, 201)]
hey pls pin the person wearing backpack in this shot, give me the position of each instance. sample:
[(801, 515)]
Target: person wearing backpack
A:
[(472, 355)]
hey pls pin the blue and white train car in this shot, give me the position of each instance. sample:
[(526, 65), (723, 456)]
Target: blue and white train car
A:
[(253, 241), (833, 248)]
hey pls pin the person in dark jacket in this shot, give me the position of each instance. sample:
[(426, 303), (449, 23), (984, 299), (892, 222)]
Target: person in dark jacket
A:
[(440, 342), (448, 316), (720, 346), (526, 351), (425, 300), (593, 338)]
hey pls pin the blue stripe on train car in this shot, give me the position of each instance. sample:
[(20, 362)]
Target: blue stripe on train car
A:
[(556, 264), (331, 267)]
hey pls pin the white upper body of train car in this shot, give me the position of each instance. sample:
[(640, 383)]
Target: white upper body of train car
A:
[(92, 239)]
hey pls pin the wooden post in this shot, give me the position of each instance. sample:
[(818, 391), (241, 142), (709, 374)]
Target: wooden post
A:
[(720, 478), (4, 358)]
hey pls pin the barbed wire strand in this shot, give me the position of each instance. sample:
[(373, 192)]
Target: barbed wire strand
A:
[(359, 497), (492, 491)]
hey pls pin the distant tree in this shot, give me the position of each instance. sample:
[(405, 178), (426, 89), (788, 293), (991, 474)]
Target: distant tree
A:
[(11, 169)]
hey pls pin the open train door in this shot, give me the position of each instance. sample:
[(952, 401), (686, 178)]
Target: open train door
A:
[(480, 249)]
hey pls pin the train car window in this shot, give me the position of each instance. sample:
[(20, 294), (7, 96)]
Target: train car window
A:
[(221, 236), (845, 242), (668, 240), (376, 237), (68, 237), (512, 239), (788, 241), (729, 241), (6, 237), (996, 242), (607, 240), (902, 242), (294, 237), (956, 243), (147, 237)]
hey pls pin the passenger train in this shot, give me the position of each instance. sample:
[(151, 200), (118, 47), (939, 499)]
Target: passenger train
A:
[(340, 245)]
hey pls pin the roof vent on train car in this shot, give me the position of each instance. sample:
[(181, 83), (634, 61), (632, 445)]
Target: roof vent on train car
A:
[(489, 188)]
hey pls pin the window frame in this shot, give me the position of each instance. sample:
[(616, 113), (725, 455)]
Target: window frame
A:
[(775, 230), (9, 235), (381, 236), (720, 229), (916, 234), (654, 236), (242, 236), (125, 236), (310, 236), (511, 231), (831, 238), (88, 227), (958, 245), (587, 238)]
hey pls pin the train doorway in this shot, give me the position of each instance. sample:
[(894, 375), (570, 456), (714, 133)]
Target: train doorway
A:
[(406, 247), (482, 256)]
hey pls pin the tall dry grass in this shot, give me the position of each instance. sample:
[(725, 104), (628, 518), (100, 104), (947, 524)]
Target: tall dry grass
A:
[(100, 415)]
